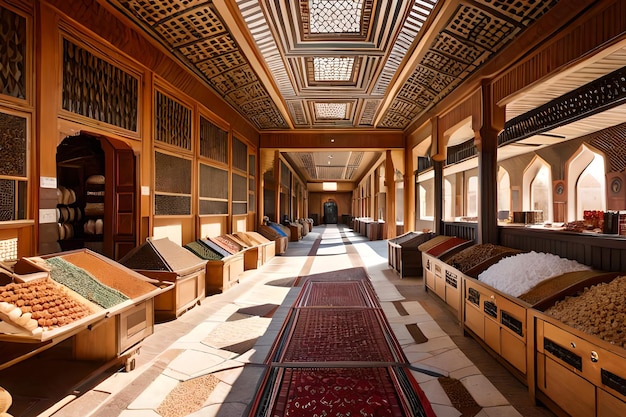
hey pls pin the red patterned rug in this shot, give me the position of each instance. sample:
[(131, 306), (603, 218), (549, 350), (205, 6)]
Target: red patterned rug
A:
[(366, 392), (336, 356), (339, 335), (334, 294)]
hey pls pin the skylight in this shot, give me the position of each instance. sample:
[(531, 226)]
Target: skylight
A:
[(332, 68), (331, 111), (335, 16)]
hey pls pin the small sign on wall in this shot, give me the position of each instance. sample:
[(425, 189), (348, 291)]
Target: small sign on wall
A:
[(48, 182)]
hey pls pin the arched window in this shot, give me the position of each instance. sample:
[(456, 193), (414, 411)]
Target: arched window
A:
[(427, 199), (504, 194), (537, 183), (586, 182), (472, 196), (540, 191)]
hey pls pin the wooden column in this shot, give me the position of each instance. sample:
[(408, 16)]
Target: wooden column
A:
[(277, 187), (486, 140), (47, 72), (409, 190), (390, 204), (439, 158)]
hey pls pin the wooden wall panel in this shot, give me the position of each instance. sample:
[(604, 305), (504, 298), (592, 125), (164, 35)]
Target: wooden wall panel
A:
[(597, 28)]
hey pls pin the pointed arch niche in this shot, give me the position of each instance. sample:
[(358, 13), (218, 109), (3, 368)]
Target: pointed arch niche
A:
[(504, 194), (537, 188), (586, 185)]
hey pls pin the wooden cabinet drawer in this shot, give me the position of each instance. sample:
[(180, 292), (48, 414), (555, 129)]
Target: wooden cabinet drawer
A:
[(561, 385), (513, 350), (135, 324), (474, 320)]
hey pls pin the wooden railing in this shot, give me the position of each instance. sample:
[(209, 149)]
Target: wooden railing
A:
[(602, 252)]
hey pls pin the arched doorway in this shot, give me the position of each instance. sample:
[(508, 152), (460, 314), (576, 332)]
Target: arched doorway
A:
[(330, 212)]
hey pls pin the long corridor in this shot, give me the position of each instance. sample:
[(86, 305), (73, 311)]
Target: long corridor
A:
[(212, 359)]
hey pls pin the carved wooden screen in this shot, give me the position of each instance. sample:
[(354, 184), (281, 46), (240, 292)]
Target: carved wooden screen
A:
[(13, 167), (213, 141), (172, 124), (239, 181), (251, 182), (240, 155), (91, 85), (172, 187), (240, 194), (213, 190), (13, 54)]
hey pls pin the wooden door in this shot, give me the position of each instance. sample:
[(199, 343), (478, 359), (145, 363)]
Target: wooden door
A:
[(120, 220)]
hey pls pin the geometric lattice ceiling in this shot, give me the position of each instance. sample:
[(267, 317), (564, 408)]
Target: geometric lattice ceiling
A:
[(289, 64)]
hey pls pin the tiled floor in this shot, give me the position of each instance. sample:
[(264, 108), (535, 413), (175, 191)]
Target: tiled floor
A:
[(200, 343)]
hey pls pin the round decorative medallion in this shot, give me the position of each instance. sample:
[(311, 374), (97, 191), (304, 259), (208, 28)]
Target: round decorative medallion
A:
[(616, 185), (559, 188)]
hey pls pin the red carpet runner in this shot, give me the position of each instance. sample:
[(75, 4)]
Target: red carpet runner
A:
[(337, 356)]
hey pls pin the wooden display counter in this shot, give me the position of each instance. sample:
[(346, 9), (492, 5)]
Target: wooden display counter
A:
[(107, 308), (500, 322), (441, 278), (167, 262), (571, 363)]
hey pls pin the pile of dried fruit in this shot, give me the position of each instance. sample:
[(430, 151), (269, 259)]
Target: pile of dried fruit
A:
[(599, 310)]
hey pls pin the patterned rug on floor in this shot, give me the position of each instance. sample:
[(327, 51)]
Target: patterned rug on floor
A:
[(339, 334), (366, 392), (337, 356)]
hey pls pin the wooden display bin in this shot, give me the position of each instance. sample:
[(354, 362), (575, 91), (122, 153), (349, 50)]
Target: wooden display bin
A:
[(499, 321), (116, 335), (166, 261), (281, 242), (106, 333), (295, 230), (222, 275), (251, 254), (222, 268), (444, 280), (267, 247), (428, 260), (573, 364), (403, 254)]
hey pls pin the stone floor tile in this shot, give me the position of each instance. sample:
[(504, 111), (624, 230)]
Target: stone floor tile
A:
[(503, 411), (483, 391), (151, 398)]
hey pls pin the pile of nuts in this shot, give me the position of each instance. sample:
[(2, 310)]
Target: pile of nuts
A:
[(599, 310), (44, 301), (476, 254)]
